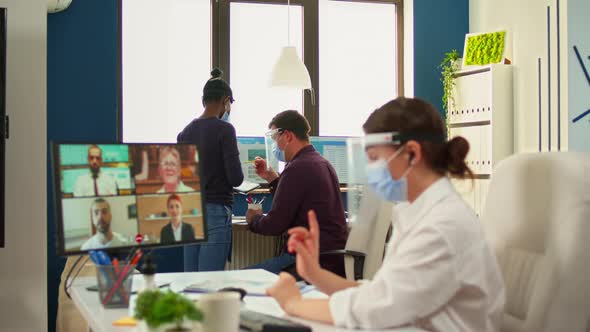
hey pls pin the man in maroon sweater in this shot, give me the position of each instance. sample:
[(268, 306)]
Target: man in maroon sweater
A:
[(308, 182)]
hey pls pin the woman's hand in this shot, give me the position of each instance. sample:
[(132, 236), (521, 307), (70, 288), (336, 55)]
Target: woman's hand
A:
[(306, 244), (285, 291), (260, 167)]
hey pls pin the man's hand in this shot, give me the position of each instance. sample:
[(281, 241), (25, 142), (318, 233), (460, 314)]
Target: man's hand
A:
[(267, 174), (251, 213), (285, 291)]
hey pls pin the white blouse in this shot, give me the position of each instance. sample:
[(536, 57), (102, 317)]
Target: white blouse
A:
[(438, 273)]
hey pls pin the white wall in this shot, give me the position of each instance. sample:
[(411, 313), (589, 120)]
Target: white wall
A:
[(526, 22), (23, 271)]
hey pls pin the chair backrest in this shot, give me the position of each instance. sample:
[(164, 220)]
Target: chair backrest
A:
[(537, 220), (367, 234)]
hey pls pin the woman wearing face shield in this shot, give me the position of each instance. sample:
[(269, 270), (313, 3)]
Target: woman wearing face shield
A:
[(438, 273), (221, 170)]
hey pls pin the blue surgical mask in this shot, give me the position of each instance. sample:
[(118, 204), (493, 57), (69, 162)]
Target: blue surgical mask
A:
[(383, 184), (225, 117), (277, 152), (227, 109)]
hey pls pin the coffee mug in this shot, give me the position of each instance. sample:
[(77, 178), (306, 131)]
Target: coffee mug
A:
[(221, 311)]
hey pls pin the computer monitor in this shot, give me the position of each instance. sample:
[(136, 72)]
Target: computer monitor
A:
[(334, 150), (250, 148), (331, 148), (117, 196)]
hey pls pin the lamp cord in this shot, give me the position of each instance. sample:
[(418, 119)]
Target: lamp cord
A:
[(288, 22)]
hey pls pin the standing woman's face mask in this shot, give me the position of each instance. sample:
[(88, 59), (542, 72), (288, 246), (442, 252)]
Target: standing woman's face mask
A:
[(227, 110), (382, 182)]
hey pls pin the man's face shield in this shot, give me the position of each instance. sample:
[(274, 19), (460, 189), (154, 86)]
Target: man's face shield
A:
[(274, 134), (270, 141)]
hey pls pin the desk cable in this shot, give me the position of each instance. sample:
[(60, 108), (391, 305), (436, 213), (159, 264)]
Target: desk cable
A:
[(68, 285)]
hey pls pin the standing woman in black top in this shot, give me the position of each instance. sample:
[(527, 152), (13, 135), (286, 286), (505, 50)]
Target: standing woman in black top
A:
[(221, 170)]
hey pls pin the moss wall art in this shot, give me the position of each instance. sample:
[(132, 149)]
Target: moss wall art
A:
[(485, 48)]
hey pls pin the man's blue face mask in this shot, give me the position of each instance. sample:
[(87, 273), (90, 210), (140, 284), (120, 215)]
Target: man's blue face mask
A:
[(277, 152), (383, 184)]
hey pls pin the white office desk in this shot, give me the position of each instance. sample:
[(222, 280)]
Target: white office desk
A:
[(100, 319)]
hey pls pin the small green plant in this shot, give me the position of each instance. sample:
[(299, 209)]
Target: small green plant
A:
[(449, 67), (158, 308), (485, 48)]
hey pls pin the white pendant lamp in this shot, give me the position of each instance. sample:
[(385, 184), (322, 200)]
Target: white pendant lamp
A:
[(289, 71)]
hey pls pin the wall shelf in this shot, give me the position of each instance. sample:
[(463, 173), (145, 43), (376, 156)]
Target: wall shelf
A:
[(482, 114)]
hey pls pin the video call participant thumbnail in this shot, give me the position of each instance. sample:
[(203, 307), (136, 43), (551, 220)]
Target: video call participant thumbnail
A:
[(104, 237), (95, 182), (176, 230), (170, 171)]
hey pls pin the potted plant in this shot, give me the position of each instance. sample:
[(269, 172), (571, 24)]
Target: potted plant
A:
[(166, 311), (449, 67)]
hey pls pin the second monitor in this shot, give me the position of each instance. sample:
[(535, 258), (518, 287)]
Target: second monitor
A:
[(331, 148)]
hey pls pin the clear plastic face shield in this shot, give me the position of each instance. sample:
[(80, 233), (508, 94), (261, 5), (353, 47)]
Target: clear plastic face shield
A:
[(357, 176), (271, 138), (369, 217), (364, 204)]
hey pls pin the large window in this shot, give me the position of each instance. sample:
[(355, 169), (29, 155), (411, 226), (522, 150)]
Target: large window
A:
[(357, 63), (165, 61), (257, 34), (351, 48)]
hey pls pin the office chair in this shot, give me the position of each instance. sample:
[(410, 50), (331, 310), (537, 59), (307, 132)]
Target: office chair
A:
[(365, 246), (537, 220)]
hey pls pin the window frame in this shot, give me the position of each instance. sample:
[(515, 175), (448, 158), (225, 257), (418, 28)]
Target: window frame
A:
[(221, 53), (220, 49)]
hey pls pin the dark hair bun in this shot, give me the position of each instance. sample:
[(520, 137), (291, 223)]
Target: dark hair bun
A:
[(456, 150), (216, 72)]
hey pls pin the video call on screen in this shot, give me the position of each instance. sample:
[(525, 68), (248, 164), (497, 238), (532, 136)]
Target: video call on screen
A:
[(121, 195)]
